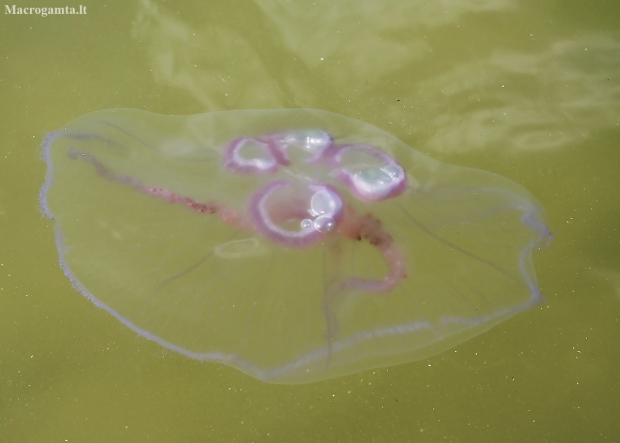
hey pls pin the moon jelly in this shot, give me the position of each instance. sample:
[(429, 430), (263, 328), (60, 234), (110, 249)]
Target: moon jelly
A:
[(294, 245)]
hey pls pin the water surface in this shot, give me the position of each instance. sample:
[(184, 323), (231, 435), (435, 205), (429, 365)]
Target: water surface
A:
[(526, 90)]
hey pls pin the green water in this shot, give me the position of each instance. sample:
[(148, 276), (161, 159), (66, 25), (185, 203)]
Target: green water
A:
[(528, 90)]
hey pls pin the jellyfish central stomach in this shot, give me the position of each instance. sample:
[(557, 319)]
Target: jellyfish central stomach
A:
[(317, 210), (289, 215), (294, 215)]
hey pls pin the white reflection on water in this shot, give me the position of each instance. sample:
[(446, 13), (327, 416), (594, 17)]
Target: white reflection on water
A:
[(205, 62), (357, 59), (526, 101), (370, 37)]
